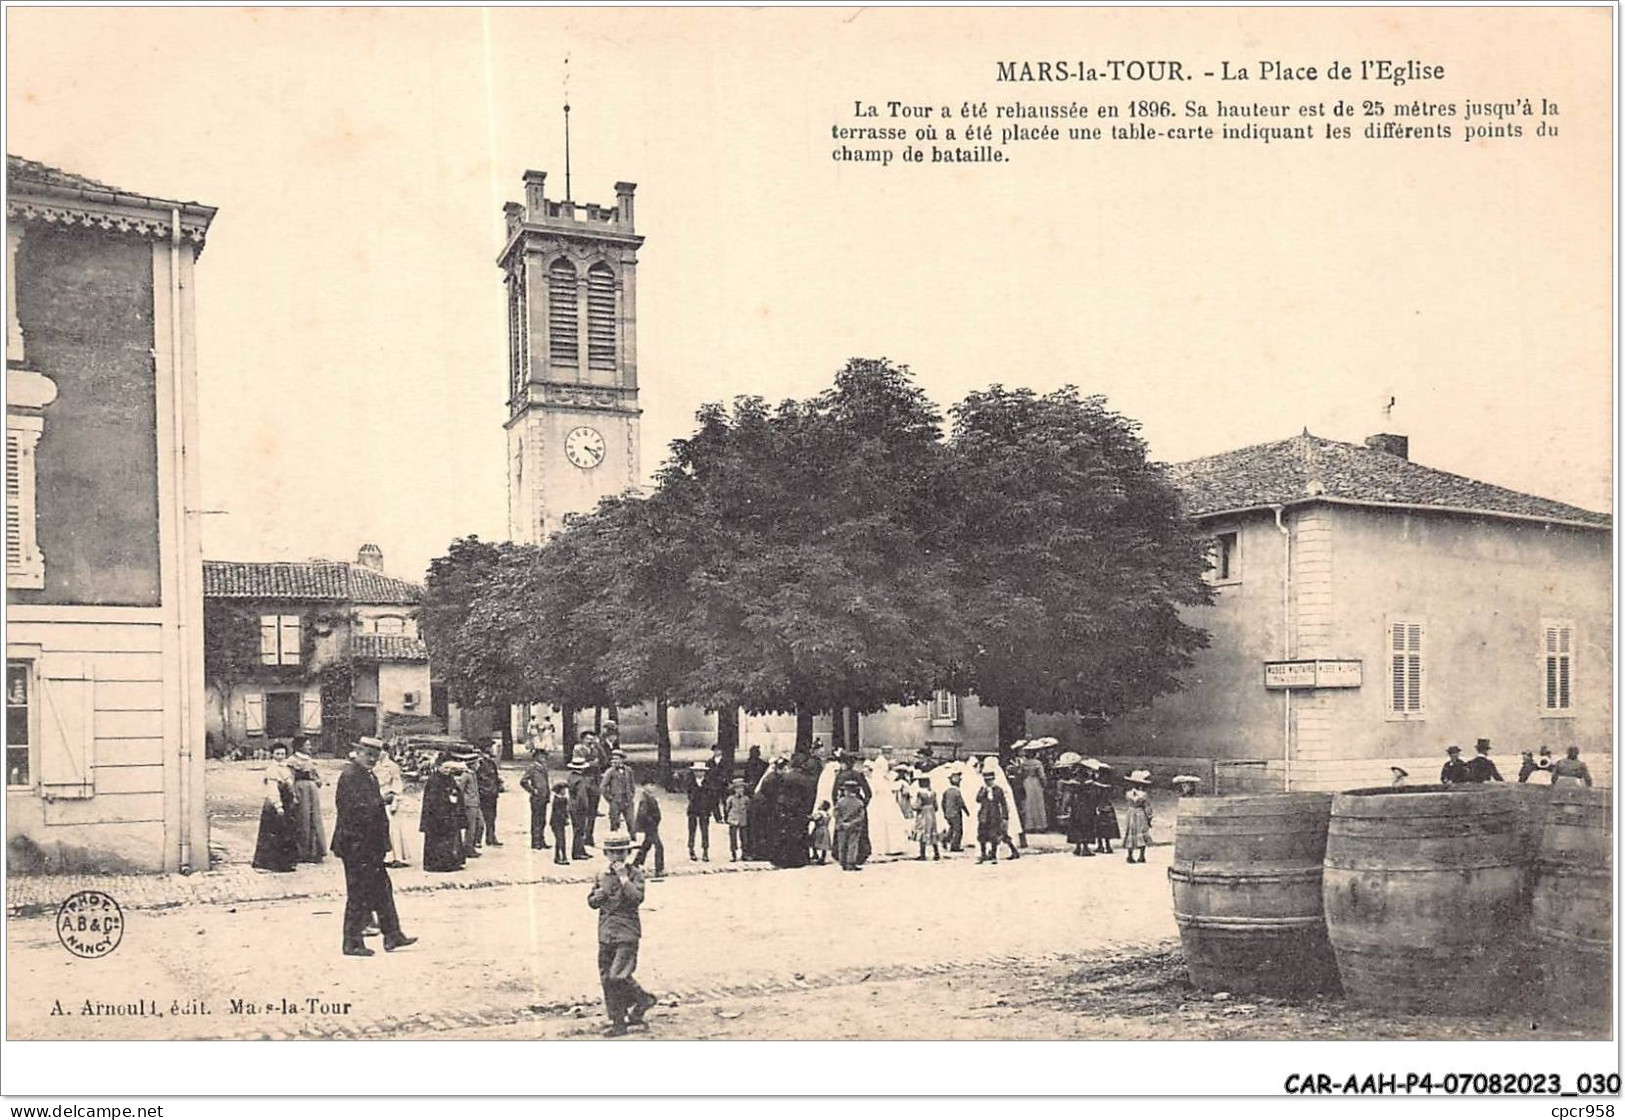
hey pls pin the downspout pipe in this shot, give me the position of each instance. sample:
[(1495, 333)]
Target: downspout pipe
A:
[(1286, 642), (183, 587)]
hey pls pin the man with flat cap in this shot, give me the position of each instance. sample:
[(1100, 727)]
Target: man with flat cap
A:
[(361, 840), (1455, 770), (1480, 768)]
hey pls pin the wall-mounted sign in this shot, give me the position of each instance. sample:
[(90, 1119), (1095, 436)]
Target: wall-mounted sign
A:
[(1289, 674), (1322, 673)]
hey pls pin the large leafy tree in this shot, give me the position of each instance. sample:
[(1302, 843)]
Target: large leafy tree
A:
[(800, 551), (1074, 557)]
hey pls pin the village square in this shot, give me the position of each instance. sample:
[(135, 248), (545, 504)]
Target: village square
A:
[(871, 710)]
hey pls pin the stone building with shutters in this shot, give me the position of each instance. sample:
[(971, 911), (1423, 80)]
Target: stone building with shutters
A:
[(326, 649), (1370, 611), (104, 667)]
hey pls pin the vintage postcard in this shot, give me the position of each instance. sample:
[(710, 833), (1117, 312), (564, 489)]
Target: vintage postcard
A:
[(881, 524)]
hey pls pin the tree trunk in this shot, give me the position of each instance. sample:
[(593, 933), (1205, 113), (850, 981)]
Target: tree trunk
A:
[(728, 734), (804, 728), (837, 735), (567, 731), (598, 721), (663, 742), (1012, 726), (853, 740)]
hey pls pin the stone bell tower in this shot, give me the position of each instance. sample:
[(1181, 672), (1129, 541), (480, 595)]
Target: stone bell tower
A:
[(571, 274)]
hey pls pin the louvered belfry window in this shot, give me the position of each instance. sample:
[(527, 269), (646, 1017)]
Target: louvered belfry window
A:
[(1557, 666), (518, 334), (1405, 666), (600, 317), (563, 317)]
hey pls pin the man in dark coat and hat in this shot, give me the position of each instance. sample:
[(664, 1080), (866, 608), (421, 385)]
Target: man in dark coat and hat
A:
[(1455, 770), (1481, 769), (361, 840)]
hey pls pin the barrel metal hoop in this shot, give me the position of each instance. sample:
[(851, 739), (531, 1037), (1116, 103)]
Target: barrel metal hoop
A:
[(1383, 868), (1194, 921)]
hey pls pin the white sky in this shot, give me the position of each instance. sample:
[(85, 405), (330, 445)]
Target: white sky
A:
[(352, 317)]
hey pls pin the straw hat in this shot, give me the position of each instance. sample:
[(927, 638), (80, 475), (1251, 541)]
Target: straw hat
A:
[(617, 841), (1139, 777)]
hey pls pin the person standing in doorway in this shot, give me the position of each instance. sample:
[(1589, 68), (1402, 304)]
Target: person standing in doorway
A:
[(616, 896), (361, 840)]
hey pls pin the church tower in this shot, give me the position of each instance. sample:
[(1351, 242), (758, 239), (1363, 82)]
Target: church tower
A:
[(571, 274)]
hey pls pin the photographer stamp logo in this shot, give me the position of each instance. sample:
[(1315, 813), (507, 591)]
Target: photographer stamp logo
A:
[(90, 924)]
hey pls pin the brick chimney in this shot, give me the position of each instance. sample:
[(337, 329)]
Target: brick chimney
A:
[(1390, 444), (370, 556)]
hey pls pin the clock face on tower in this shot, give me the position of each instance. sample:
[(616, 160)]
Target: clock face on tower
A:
[(584, 447)]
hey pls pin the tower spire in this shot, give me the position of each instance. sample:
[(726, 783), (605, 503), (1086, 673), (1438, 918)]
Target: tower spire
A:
[(568, 197)]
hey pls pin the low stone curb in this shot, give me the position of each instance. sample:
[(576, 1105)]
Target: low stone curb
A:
[(36, 896)]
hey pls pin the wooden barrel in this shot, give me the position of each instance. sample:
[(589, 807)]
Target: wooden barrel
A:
[(1425, 900), (1571, 903), (1246, 879)]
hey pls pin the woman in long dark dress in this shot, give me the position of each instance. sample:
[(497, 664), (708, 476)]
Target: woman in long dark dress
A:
[(443, 818), (275, 848), (797, 791), (307, 805)]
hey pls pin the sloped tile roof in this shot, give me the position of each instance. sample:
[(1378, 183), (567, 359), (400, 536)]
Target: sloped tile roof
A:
[(1308, 468), (335, 580), (388, 647), (22, 171)]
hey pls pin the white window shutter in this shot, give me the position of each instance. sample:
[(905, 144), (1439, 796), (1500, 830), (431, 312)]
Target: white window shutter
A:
[(67, 753), (268, 630), (254, 713), (14, 493), (290, 639), (310, 714)]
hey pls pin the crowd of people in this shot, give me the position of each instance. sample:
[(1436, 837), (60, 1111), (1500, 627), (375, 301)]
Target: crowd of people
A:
[(1481, 768)]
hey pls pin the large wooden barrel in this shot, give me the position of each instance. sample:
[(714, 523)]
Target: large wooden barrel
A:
[(1571, 902), (1425, 899), (1246, 879)]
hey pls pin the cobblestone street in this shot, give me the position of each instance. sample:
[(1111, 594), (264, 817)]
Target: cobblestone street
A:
[(518, 956)]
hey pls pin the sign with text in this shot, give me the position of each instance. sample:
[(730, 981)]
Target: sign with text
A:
[(1324, 673)]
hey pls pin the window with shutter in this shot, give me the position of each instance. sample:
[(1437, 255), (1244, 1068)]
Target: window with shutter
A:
[(25, 563), (279, 639), (310, 714), (254, 713), (600, 317), (1557, 666), (1405, 657), (67, 763), (563, 326), (944, 708), (290, 639)]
